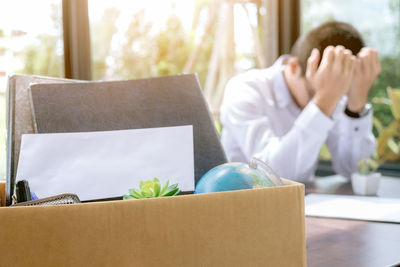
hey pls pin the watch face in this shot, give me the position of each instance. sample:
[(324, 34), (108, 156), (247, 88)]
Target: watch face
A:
[(366, 110)]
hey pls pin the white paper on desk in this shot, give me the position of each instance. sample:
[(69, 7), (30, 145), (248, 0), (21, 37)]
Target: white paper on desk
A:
[(97, 165), (353, 207)]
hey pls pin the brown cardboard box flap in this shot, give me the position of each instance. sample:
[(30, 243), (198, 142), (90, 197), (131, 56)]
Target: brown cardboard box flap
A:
[(259, 227), (2, 193)]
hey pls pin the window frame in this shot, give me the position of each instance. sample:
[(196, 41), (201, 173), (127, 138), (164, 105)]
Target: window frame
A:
[(76, 38)]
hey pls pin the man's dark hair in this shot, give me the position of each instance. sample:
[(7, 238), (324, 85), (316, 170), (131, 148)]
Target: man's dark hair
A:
[(331, 33)]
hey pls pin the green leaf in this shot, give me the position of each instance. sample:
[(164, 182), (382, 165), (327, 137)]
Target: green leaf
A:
[(393, 146), (157, 189), (378, 125), (172, 187), (147, 185), (131, 191), (136, 194), (394, 95), (381, 100), (177, 192), (147, 194), (171, 193), (127, 197), (164, 189)]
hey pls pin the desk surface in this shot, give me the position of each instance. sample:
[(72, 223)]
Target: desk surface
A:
[(334, 242)]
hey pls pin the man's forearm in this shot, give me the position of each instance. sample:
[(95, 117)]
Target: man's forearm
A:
[(295, 154)]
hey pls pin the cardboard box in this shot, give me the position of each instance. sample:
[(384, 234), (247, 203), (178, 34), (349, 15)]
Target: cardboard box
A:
[(2, 193), (258, 227)]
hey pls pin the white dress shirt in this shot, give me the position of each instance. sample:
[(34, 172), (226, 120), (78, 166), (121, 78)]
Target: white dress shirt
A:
[(260, 119)]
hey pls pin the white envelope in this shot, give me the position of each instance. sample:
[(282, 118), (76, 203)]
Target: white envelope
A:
[(97, 165), (377, 209)]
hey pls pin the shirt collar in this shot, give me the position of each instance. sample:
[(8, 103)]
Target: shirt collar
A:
[(280, 88)]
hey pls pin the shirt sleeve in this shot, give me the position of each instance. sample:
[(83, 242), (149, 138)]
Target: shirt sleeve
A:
[(349, 141), (293, 155)]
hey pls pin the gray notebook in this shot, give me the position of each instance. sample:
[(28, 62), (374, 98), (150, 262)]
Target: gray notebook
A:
[(19, 120), (118, 105)]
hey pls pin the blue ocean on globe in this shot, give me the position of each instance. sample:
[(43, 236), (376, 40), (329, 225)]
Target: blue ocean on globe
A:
[(232, 176)]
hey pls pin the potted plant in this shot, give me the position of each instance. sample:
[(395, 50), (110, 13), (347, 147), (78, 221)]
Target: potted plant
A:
[(149, 189), (366, 180)]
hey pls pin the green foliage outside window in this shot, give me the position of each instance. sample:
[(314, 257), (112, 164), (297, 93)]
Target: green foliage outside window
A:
[(45, 55), (145, 53), (388, 140)]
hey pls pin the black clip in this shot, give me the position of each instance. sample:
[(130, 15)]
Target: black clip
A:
[(23, 191)]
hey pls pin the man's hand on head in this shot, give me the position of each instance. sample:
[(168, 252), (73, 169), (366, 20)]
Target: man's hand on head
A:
[(331, 80), (367, 68)]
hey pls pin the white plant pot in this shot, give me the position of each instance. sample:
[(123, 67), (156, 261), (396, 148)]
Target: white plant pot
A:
[(366, 185)]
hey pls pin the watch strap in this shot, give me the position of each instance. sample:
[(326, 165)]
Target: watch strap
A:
[(360, 114)]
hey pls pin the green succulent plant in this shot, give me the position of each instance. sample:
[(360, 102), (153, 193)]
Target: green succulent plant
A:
[(367, 166), (149, 189)]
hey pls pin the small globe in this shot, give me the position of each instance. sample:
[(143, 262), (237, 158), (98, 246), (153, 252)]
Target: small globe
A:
[(232, 176)]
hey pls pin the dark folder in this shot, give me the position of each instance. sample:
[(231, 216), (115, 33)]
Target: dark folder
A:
[(133, 104), (19, 121)]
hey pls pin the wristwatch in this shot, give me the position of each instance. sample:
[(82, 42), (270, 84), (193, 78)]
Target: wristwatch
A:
[(360, 114)]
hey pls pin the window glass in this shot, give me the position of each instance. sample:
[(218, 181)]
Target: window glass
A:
[(139, 39), (30, 43), (378, 22)]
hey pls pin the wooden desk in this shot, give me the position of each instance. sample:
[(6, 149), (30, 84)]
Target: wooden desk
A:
[(334, 242)]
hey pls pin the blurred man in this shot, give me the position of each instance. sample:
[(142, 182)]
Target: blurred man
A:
[(285, 113)]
